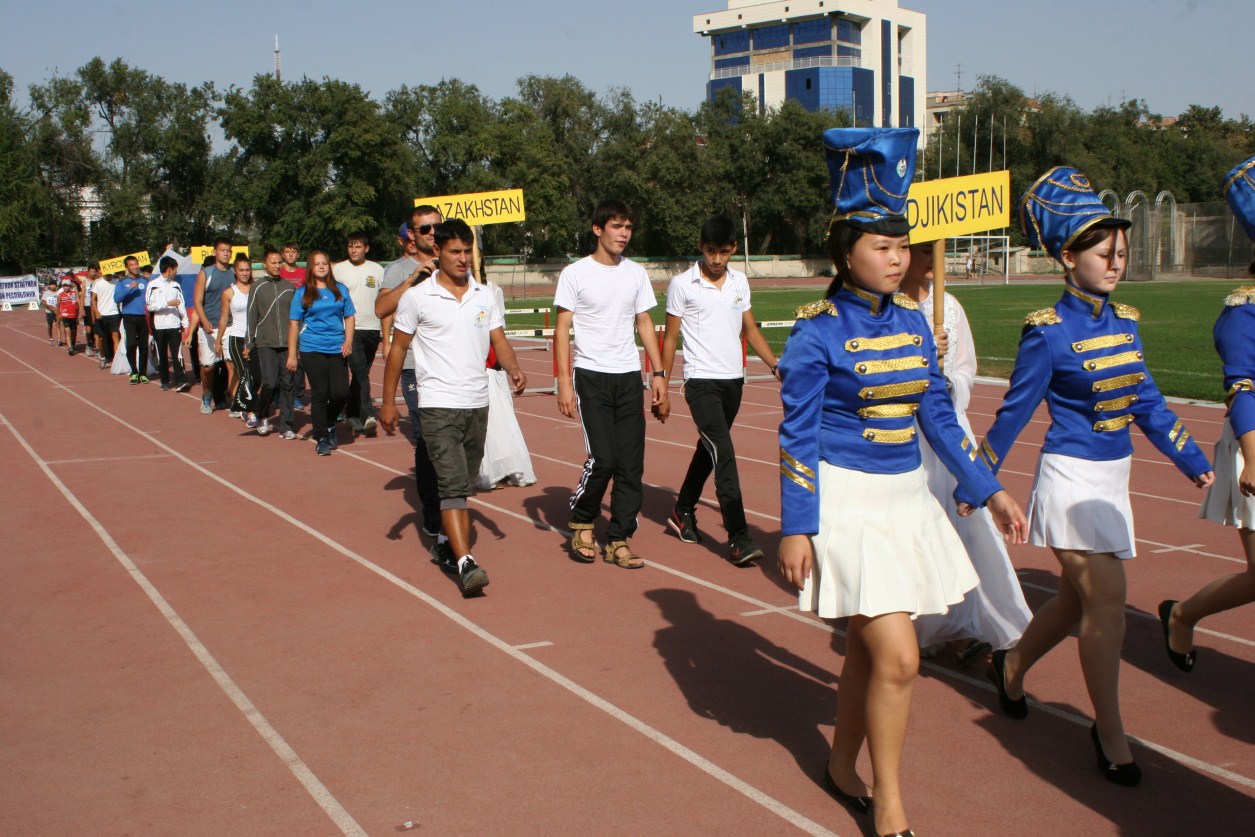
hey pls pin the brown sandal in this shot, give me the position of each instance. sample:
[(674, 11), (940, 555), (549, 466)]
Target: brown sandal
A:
[(628, 561), (578, 544)]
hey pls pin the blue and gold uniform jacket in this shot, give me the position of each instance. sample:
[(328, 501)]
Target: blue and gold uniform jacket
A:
[(858, 370), (1234, 337), (1084, 356)]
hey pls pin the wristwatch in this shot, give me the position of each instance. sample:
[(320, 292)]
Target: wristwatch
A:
[(660, 374)]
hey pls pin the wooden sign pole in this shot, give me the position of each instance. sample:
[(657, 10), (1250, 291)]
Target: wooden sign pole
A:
[(939, 294)]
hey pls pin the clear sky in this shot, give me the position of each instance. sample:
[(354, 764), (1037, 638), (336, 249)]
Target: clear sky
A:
[(1171, 53)]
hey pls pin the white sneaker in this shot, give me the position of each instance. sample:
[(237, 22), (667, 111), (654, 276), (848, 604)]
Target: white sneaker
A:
[(236, 414), (263, 429), (288, 435)]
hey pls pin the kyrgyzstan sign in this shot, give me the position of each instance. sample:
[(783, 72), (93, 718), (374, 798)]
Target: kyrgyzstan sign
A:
[(118, 263), (199, 254), (957, 206), (480, 208)]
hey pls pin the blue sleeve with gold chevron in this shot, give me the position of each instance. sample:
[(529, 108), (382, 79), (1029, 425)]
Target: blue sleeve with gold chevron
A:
[(803, 377), (1234, 338)]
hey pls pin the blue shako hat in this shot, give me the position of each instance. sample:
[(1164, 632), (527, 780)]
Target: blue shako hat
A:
[(871, 170), (1060, 206), (1239, 192)]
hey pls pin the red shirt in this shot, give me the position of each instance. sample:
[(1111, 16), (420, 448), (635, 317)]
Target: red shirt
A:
[(296, 275), (67, 303)]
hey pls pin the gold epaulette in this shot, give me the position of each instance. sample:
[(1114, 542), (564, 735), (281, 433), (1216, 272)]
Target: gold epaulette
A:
[(904, 301), (813, 309), (1244, 295), (1046, 316), (1125, 312)]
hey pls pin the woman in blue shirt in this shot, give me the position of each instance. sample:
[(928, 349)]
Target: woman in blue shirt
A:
[(862, 537), (321, 329), (1084, 357), (1231, 500)]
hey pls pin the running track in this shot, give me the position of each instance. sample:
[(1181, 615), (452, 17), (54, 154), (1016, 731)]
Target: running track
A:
[(206, 632)]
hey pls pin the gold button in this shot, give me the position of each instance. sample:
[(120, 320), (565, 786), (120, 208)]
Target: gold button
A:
[(1128, 338), (1139, 355), (923, 361), (869, 435), (861, 368), (1091, 366), (853, 344), (917, 340)]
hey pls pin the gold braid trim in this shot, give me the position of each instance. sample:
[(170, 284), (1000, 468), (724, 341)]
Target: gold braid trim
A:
[(896, 364), (1111, 425), (903, 301), (888, 411), (1046, 316), (889, 437), (1184, 438), (1244, 295), (1105, 342), (785, 459), (893, 390), (1176, 428), (1122, 359), (1120, 382), (813, 309), (807, 484), (877, 344), (1115, 404), (1244, 385), (1125, 312)]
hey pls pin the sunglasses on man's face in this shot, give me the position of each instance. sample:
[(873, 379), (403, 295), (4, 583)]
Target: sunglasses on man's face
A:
[(424, 229)]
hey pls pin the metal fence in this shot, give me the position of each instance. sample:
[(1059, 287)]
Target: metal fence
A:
[(1179, 240)]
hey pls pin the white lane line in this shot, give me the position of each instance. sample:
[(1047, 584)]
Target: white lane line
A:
[(657, 736), (530, 645), (106, 459), (1154, 617), (1188, 547), (343, 820)]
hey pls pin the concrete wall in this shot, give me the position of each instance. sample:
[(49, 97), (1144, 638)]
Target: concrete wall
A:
[(543, 276)]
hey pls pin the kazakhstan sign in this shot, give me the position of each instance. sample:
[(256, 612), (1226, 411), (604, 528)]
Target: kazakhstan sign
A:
[(956, 206), (480, 208)]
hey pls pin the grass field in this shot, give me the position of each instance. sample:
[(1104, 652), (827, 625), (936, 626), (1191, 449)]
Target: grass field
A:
[(1176, 325)]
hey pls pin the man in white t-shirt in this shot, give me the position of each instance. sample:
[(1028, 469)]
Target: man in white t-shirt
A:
[(451, 320), (105, 318), (361, 278), (709, 304), (607, 298)]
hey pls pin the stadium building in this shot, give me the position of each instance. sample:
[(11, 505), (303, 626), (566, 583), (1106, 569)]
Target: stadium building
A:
[(867, 57)]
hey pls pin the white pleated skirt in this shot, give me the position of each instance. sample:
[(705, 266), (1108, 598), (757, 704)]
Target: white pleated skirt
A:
[(1082, 505), (995, 610), (1224, 503), (884, 546)]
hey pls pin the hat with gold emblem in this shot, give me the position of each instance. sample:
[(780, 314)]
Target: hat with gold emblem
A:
[(871, 170)]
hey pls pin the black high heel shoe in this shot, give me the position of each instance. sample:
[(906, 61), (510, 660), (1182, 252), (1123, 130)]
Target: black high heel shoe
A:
[(1185, 661), (996, 672), (907, 833), (858, 804), (1129, 774)]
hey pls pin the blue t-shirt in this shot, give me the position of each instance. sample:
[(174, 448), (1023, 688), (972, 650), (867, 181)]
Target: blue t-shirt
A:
[(129, 294), (322, 324)]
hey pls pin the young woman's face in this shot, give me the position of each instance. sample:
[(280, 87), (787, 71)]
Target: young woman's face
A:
[(243, 272), (1098, 269), (877, 262), (320, 267)]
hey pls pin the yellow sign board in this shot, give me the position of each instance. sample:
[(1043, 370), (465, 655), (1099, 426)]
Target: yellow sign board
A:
[(956, 206), (481, 208), (118, 263), (199, 254)]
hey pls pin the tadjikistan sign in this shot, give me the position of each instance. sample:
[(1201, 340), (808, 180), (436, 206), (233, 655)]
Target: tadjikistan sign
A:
[(480, 208), (955, 206)]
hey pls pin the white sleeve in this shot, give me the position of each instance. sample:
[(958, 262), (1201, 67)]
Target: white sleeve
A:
[(962, 367), (405, 319), (497, 320), (675, 296), (645, 298), (564, 296)]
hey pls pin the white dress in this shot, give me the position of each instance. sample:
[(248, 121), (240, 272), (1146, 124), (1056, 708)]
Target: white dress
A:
[(505, 450), (995, 610)]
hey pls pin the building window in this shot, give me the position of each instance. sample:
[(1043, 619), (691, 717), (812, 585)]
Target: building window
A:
[(771, 37), (731, 42), (849, 32), (812, 31)]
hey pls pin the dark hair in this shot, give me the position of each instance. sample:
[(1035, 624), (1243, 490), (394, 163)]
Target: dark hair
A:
[(718, 231), (841, 238), (219, 241), (208, 260), (242, 257), (1093, 236), (291, 244), (311, 292), (146, 267), (166, 263), (453, 228), (610, 209), (421, 209), (360, 235), (130, 259), (270, 249)]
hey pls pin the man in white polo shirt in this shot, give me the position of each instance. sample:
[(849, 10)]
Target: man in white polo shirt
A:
[(451, 320), (710, 305), (607, 298)]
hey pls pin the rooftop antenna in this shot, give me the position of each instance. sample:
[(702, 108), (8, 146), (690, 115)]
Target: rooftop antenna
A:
[(958, 77), (277, 73)]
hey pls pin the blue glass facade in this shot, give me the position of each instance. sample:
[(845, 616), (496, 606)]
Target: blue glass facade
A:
[(812, 31), (906, 102), (771, 37), (738, 61), (887, 63), (713, 87), (832, 88), (731, 42), (824, 51)]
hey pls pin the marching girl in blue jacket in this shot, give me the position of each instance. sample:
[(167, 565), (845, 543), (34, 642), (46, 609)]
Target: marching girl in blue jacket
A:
[(862, 537), (1231, 500), (1084, 356)]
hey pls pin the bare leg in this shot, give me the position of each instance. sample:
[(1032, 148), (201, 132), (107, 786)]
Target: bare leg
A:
[(456, 525), (851, 730), (1224, 593), (1052, 622), (1099, 579), (894, 653)]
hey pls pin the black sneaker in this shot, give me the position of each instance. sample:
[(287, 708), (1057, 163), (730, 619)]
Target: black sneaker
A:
[(356, 424), (331, 438), (442, 556), (742, 550), (322, 448), (431, 529), (685, 526), (183, 387), (473, 578)]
